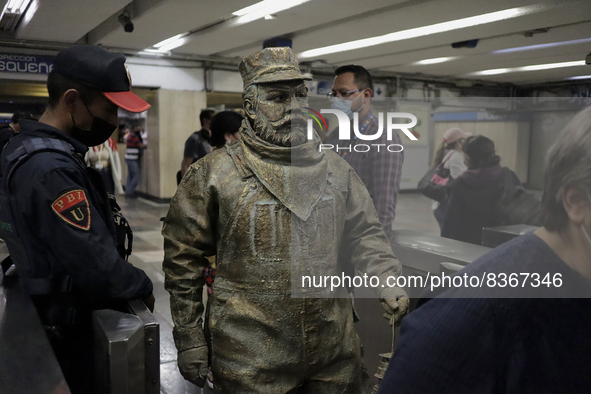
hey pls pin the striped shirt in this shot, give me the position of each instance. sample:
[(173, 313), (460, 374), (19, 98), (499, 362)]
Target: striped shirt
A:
[(133, 143), (380, 171)]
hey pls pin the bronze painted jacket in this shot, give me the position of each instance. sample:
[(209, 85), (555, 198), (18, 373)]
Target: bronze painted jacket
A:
[(271, 215)]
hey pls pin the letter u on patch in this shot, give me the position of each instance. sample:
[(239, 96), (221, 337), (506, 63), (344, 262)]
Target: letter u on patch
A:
[(73, 208)]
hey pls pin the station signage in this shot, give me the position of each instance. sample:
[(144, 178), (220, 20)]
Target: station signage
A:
[(25, 64)]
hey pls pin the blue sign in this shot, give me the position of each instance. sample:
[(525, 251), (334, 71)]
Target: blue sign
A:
[(25, 64), (476, 117)]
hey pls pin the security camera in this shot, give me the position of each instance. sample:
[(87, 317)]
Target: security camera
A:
[(125, 20)]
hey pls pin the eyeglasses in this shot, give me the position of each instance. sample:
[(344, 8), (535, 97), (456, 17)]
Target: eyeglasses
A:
[(332, 95)]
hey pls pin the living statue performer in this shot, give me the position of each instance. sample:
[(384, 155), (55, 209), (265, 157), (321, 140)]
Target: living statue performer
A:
[(263, 215)]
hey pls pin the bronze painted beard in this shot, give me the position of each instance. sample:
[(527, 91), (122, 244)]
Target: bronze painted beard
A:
[(287, 132)]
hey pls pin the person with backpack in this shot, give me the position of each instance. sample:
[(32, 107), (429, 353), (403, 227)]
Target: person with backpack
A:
[(474, 195), (449, 155), (197, 145)]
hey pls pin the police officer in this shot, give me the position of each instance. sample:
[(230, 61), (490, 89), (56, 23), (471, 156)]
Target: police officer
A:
[(55, 214)]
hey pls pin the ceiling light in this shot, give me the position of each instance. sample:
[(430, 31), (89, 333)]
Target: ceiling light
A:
[(16, 6), (12, 13), (496, 71), (152, 51), (542, 46), (251, 8), (433, 61), (169, 40), (580, 77), (535, 67), (174, 44), (263, 8), (549, 66), (423, 31)]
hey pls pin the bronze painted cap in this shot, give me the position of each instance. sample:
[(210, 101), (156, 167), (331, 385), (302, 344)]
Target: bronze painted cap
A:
[(271, 65)]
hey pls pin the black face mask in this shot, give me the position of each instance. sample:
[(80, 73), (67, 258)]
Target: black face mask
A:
[(99, 131)]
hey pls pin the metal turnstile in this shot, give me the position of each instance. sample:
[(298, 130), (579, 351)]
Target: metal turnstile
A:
[(127, 350), (419, 254), (495, 236)]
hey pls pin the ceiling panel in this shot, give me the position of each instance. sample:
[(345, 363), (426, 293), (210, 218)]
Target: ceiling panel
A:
[(306, 16), (66, 20), (472, 63), (170, 18), (484, 48), (540, 76), (459, 68), (414, 15), (544, 19), (319, 23)]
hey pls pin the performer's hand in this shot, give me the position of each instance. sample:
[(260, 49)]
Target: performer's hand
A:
[(395, 302), (193, 365)]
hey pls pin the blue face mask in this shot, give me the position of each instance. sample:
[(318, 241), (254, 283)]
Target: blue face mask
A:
[(344, 105)]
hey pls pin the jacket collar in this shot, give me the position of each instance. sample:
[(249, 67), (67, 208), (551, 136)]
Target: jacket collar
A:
[(38, 129), (481, 176)]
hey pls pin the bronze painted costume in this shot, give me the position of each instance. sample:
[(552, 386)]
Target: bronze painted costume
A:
[(266, 218)]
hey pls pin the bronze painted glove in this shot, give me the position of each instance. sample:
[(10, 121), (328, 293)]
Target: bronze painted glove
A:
[(395, 302), (193, 365)]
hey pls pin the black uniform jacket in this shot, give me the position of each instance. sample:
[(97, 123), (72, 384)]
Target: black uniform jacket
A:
[(63, 223)]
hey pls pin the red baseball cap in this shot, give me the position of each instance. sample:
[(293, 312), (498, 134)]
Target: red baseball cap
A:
[(102, 70)]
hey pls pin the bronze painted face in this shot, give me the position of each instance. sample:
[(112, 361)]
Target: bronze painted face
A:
[(278, 116)]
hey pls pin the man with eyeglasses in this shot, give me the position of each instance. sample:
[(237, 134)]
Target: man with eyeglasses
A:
[(381, 170)]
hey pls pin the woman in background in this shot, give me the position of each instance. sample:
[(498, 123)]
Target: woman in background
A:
[(450, 156), (105, 159), (474, 195), (225, 127)]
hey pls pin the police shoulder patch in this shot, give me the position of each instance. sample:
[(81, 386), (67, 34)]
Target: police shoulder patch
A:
[(73, 208)]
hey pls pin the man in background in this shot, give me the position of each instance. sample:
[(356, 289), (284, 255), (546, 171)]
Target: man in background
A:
[(6, 133), (197, 144), (135, 145), (352, 90)]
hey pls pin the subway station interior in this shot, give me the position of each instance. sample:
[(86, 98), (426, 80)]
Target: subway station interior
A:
[(516, 73)]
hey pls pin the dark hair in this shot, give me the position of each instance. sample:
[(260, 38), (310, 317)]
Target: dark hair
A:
[(226, 122), (206, 114), (481, 152), (568, 165), (442, 150), (362, 77), (57, 85), (21, 115)]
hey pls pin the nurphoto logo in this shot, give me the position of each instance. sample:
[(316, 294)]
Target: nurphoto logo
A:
[(392, 123)]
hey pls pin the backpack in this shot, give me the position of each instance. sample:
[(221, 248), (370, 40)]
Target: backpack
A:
[(516, 205)]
